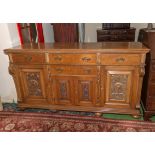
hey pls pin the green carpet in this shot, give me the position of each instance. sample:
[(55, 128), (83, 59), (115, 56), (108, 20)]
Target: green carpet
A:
[(124, 116)]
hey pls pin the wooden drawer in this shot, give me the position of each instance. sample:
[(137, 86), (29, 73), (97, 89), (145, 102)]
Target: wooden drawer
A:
[(116, 32), (73, 59), (28, 58), (152, 77), (120, 59), (153, 65), (151, 103), (73, 70), (116, 38), (152, 90)]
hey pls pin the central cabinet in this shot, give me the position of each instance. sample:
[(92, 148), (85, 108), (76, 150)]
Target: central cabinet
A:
[(95, 77)]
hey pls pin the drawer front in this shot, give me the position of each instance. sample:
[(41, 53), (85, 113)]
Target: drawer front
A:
[(152, 77), (116, 32), (120, 59), (73, 59), (28, 58), (153, 65), (151, 103), (116, 38), (73, 70), (123, 32), (152, 90)]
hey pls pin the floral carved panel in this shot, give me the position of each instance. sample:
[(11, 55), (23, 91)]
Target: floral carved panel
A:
[(118, 87), (63, 90), (33, 83), (85, 90)]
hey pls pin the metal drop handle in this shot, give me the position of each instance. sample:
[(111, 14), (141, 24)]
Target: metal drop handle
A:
[(120, 59), (58, 58), (86, 59), (59, 70), (28, 58)]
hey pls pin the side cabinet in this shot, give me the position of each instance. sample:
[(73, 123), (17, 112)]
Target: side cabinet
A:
[(33, 84), (119, 87)]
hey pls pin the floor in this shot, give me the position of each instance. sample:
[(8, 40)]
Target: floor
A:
[(13, 107)]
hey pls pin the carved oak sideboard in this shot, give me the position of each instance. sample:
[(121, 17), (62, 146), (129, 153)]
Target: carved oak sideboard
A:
[(95, 77)]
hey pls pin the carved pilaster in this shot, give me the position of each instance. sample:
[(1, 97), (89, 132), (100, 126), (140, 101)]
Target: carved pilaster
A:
[(142, 70), (98, 85), (141, 74), (13, 70)]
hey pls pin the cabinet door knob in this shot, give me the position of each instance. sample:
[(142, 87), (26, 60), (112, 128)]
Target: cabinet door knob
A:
[(59, 58), (28, 58), (86, 59), (120, 59)]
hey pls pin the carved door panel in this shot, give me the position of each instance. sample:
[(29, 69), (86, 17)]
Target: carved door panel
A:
[(85, 91), (64, 90), (33, 83), (117, 86)]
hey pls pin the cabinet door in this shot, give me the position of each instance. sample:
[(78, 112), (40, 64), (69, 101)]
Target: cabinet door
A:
[(118, 86), (64, 90), (85, 91), (33, 83)]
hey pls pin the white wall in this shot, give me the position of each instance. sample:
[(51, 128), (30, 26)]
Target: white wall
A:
[(90, 31), (12, 27), (48, 32), (7, 39)]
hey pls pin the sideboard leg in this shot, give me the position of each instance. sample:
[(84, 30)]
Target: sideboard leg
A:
[(21, 108), (98, 114), (136, 116)]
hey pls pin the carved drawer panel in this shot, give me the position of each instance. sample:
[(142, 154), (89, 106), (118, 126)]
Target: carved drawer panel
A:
[(81, 59), (120, 59), (73, 70), (28, 58)]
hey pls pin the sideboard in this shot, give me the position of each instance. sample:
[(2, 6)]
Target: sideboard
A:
[(93, 77)]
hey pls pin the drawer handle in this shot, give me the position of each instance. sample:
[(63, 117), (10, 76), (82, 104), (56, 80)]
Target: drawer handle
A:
[(28, 58), (120, 60), (58, 58), (86, 59), (59, 70), (87, 71)]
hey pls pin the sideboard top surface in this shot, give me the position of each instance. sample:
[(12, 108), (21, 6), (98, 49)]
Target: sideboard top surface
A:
[(87, 47)]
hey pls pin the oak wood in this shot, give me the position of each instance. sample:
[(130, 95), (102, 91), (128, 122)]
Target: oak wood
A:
[(95, 77)]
